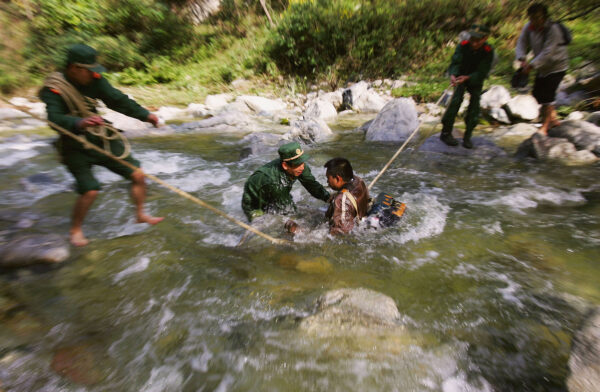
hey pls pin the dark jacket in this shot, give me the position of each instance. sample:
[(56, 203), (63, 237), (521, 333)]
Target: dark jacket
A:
[(268, 190), (474, 63), (342, 214), (100, 88)]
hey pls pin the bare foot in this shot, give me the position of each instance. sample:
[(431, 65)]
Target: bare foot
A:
[(543, 131), (149, 219), (78, 239)]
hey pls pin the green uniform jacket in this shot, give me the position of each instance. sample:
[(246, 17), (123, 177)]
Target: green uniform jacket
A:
[(474, 63), (268, 190), (58, 112)]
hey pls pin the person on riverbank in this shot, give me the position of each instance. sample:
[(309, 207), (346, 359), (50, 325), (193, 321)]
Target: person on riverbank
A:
[(551, 60), (268, 189), (351, 202), (469, 67), (70, 98)]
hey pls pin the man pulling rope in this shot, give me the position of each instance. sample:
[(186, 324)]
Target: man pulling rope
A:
[(70, 99)]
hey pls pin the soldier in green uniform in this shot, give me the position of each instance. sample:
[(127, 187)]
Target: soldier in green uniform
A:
[(268, 188), (70, 103), (470, 65)]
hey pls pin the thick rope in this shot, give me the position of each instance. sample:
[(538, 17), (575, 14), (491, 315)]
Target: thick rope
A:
[(181, 193), (79, 105), (387, 165)]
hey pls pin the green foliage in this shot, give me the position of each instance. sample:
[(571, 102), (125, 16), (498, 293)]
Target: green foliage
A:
[(127, 33), (424, 91), (132, 76)]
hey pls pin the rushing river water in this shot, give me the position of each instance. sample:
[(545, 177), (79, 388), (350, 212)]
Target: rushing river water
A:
[(491, 268)]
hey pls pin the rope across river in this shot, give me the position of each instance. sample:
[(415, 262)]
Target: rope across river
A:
[(180, 192), (172, 188)]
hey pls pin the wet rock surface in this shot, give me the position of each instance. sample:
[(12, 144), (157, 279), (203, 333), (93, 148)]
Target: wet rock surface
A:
[(309, 130), (572, 143), (584, 362), (395, 122), (582, 134), (77, 363), (482, 147), (352, 311), (32, 249)]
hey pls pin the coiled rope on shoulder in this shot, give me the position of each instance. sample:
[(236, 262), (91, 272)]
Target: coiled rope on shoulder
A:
[(180, 192), (79, 105)]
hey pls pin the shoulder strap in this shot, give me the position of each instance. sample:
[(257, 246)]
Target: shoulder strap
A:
[(76, 102), (348, 195)]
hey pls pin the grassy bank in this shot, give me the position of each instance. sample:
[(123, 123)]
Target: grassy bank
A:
[(163, 58)]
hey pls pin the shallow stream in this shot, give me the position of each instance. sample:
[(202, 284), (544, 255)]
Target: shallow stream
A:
[(491, 267)]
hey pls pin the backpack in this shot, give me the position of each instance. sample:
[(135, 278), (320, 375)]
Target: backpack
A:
[(566, 33)]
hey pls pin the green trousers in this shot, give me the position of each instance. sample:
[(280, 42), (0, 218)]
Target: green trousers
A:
[(472, 116)]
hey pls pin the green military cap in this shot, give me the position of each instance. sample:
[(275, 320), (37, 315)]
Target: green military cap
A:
[(292, 153), (479, 31), (84, 56)]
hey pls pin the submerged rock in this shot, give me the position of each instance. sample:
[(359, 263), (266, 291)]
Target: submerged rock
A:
[(77, 363), (33, 249), (482, 148), (353, 312), (395, 122), (35, 182), (316, 265), (584, 362)]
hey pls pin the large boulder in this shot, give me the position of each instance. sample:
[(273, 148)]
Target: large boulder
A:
[(260, 104), (362, 99), (356, 312), (36, 108), (320, 109), (226, 121), (482, 148), (259, 143), (33, 249), (395, 122), (334, 98), (217, 102), (308, 130), (197, 110), (169, 113), (123, 122), (584, 135), (584, 362), (594, 118), (11, 114), (495, 97), (554, 148), (523, 107)]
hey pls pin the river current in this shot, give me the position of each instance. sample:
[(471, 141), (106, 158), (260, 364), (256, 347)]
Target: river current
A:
[(492, 268)]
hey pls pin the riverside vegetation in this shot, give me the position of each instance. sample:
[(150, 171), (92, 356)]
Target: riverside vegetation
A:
[(158, 49)]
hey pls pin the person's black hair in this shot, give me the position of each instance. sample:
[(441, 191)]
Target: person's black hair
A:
[(340, 167), (537, 8)]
